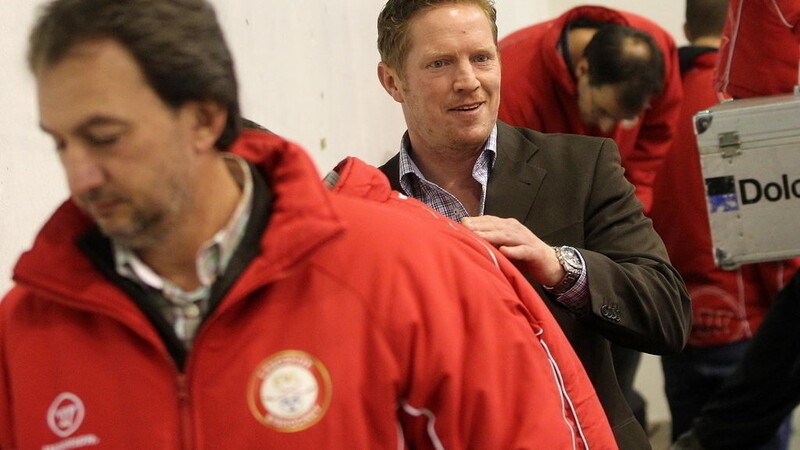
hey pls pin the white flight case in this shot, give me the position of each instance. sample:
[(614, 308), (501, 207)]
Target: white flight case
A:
[(750, 158)]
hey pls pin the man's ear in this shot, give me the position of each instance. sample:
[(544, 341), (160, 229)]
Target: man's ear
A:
[(582, 68), (208, 120), (390, 81), (687, 33)]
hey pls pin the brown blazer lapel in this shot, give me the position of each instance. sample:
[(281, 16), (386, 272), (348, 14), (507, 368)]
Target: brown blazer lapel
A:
[(515, 180)]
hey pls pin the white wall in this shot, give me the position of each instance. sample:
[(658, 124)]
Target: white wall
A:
[(320, 87), (307, 72), (31, 183)]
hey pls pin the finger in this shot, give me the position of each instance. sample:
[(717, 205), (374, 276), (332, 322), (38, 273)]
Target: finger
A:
[(514, 251), (501, 237), (478, 223), (489, 223)]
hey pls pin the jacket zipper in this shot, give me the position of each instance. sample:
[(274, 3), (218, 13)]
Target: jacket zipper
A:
[(185, 413)]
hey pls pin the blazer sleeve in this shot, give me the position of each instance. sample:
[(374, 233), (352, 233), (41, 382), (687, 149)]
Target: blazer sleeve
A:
[(637, 299)]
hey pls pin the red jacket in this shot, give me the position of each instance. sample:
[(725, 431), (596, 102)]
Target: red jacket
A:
[(358, 325), (539, 92), (760, 49), (727, 306)]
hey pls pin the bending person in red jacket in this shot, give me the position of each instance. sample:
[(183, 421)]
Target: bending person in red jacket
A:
[(597, 72), (728, 305), (202, 289)]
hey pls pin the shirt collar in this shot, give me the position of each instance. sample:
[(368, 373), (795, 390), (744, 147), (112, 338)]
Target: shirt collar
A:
[(409, 169)]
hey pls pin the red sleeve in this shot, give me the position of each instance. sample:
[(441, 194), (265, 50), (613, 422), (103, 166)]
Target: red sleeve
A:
[(580, 393), (7, 440), (789, 12), (760, 49), (482, 374)]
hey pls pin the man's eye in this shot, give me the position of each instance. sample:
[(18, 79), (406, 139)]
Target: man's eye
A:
[(102, 141), (481, 58), (437, 64)]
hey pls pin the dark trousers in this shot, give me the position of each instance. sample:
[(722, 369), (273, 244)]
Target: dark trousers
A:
[(755, 401), (626, 364), (692, 377)]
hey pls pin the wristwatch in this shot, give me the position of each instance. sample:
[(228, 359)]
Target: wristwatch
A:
[(573, 266)]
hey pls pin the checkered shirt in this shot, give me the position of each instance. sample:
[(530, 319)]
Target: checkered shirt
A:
[(416, 185)]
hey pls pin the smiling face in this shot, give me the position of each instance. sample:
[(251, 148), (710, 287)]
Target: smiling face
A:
[(450, 86), (127, 156)]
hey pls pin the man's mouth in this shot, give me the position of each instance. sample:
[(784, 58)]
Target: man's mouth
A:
[(99, 204), (104, 208), (470, 107)]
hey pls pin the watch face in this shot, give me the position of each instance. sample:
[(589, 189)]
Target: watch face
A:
[(571, 257)]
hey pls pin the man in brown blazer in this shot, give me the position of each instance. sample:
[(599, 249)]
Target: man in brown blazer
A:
[(556, 204)]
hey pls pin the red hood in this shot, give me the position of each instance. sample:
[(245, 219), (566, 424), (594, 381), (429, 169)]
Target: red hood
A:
[(359, 179)]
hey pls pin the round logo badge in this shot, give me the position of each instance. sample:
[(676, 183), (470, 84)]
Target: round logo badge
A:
[(718, 317), (65, 414), (289, 391)]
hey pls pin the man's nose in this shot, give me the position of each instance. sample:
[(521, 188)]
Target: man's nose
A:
[(466, 80), (83, 171), (606, 124)]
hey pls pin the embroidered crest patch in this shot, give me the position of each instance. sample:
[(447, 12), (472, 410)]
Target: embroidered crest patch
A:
[(289, 391)]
